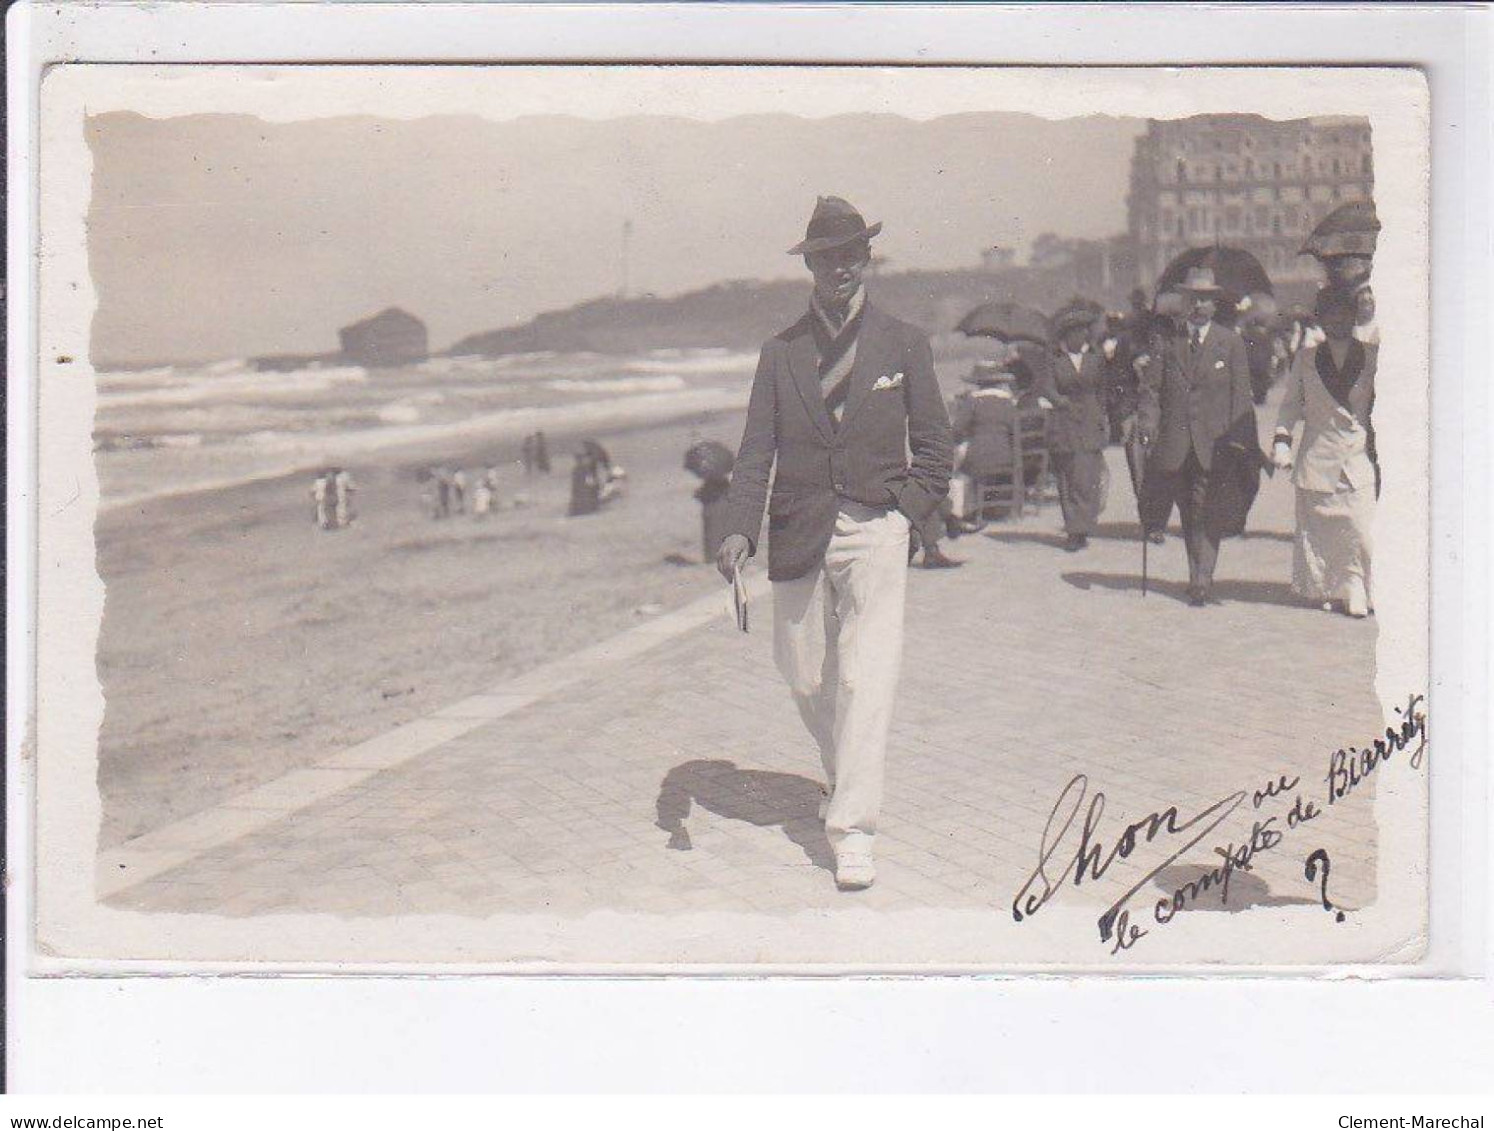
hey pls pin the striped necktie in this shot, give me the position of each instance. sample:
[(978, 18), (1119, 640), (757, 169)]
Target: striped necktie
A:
[(837, 351)]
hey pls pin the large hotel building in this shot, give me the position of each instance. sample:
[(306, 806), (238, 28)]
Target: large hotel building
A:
[(1244, 181)]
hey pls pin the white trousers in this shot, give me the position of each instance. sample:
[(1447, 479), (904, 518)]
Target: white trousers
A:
[(838, 640)]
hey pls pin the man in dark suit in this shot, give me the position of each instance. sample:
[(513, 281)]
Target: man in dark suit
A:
[(1078, 428), (839, 401), (1195, 401)]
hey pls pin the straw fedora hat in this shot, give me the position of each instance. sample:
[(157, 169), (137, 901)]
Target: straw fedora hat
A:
[(1200, 281)]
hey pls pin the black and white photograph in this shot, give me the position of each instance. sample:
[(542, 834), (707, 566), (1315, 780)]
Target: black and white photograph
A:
[(740, 518)]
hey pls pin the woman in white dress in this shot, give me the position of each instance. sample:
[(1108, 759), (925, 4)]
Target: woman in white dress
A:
[(1330, 392)]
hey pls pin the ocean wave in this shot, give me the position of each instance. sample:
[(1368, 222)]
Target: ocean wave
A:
[(667, 383), (692, 361), (400, 413), (223, 382)]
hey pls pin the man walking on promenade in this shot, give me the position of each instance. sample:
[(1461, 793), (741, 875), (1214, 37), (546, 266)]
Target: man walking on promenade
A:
[(839, 401), (1196, 400)]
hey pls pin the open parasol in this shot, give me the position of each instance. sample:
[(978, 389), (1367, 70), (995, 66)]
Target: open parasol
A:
[(1351, 229), (1236, 271), (1006, 321), (709, 459)]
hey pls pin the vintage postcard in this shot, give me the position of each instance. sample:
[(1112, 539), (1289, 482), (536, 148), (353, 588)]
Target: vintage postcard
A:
[(732, 518)]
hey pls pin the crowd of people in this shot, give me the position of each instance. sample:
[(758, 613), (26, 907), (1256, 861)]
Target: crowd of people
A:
[(1177, 383), (852, 456), (451, 491), (853, 459)]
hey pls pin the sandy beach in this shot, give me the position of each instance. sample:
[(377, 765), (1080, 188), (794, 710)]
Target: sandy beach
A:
[(240, 641)]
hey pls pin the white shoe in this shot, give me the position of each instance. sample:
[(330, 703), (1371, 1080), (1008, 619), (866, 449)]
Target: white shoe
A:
[(852, 873), (1357, 603)]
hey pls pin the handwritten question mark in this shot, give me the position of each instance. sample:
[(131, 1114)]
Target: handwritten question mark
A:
[(1311, 871)]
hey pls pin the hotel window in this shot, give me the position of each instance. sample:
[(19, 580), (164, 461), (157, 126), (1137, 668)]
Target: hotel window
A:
[(1336, 169), (1365, 164), (1276, 224), (1231, 219), (1277, 170)]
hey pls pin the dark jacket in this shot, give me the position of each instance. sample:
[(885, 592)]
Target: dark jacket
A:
[(1078, 422), (1191, 404), (894, 406)]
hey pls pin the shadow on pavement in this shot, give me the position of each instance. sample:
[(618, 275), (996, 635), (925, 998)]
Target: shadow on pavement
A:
[(1245, 891), (1249, 592), (760, 797)]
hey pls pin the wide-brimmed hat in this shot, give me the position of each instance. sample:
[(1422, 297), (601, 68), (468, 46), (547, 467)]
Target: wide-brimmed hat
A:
[(835, 222), (1073, 317), (1200, 281), (989, 373)]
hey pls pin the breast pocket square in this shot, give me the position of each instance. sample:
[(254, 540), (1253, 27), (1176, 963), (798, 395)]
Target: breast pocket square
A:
[(889, 381), (1218, 365)]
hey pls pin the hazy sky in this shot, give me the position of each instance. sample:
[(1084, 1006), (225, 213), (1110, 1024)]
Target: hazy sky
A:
[(222, 235)]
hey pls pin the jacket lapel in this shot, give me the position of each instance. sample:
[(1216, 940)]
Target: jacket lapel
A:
[(804, 363), (867, 366)]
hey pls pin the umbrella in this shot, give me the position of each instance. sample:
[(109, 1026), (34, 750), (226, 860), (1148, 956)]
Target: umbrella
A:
[(1351, 229), (1236, 271), (1007, 321), (709, 459)]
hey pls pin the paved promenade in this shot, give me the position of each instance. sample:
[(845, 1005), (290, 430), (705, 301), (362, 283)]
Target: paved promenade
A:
[(667, 770)]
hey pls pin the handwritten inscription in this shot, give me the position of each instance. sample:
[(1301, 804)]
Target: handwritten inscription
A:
[(1061, 860), (1075, 850), (1351, 767)]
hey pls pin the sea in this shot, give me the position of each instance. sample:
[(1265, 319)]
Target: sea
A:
[(177, 429)]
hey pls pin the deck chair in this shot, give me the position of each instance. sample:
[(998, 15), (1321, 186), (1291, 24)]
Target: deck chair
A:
[(1003, 487), (1033, 433)]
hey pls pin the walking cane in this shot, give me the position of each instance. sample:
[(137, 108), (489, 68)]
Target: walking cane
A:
[(1141, 515)]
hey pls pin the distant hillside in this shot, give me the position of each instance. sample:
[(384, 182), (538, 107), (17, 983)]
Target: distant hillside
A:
[(742, 314)]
